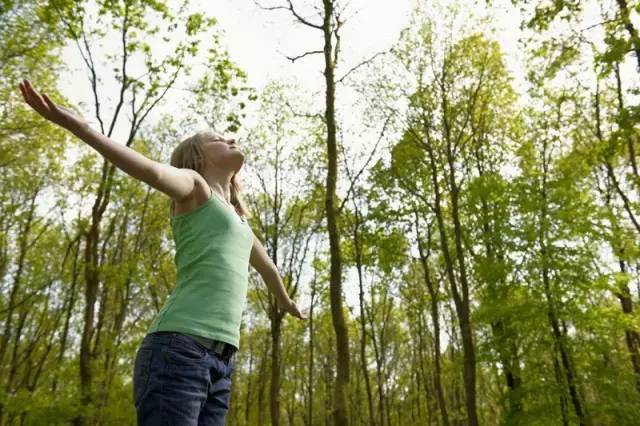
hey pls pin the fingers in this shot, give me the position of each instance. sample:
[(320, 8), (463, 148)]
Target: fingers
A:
[(295, 311), (24, 94), (301, 314), (49, 101), (31, 93), (33, 98), (27, 92), (27, 88), (38, 98)]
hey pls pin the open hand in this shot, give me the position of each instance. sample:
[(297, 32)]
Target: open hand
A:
[(293, 309), (45, 107)]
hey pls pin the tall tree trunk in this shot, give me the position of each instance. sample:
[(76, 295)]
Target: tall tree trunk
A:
[(262, 380), (274, 406), (309, 418), (377, 351), (363, 328), (459, 291), (340, 413), (425, 375), (69, 304), (632, 337), (329, 30), (435, 318), (7, 329), (507, 349), (250, 388), (462, 300), (630, 136), (628, 25), (554, 322)]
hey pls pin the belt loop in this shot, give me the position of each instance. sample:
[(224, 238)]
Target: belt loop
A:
[(218, 347)]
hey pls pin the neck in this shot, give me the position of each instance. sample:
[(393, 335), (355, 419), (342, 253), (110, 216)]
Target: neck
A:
[(220, 181)]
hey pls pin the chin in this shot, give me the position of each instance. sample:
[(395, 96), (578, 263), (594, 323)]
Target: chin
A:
[(239, 160)]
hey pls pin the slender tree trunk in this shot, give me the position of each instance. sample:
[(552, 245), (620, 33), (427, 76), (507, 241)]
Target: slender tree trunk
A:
[(632, 337), (310, 364), (69, 304), (363, 328), (630, 137), (250, 389), (435, 318), (462, 306), (628, 25), (460, 294), (92, 331), (564, 411), (554, 322), (340, 413), (425, 376), (507, 349), (8, 327), (379, 368), (274, 405), (262, 378)]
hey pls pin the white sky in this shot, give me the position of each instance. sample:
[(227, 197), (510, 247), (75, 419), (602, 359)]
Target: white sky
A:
[(257, 41)]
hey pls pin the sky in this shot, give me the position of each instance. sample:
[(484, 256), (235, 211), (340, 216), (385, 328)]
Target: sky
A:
[(258, 40)]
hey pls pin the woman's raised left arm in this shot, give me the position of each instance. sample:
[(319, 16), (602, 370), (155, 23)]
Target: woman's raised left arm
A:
[(261, 261)]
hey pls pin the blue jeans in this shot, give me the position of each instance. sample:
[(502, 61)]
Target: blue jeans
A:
[(178, 381)]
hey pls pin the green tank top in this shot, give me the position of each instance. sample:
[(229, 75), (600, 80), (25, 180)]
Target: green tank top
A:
[(213, 245)]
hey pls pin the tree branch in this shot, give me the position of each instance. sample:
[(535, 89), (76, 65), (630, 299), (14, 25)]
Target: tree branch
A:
[(305, 115), (293, 11), (366, 61), (295, 58), (355, 178)]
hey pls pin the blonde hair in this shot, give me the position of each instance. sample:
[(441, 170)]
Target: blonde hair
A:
[(189, 155)]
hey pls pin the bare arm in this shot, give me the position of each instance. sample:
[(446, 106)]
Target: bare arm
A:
[(262, 263), (176, 183)]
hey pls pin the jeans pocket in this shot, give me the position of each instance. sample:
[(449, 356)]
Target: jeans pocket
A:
[(141, 374), (183, 348)]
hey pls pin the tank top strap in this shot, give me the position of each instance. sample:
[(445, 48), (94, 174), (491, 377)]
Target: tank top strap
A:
[(231, 206), (220, 198)]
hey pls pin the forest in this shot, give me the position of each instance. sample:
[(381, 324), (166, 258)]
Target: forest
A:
[(458, 211)]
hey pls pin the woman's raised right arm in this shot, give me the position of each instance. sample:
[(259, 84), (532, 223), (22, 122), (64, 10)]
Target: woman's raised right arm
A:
[(176, 183)]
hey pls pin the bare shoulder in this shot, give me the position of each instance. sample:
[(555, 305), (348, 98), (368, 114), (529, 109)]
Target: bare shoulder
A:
[(196, 176), (199, 196)]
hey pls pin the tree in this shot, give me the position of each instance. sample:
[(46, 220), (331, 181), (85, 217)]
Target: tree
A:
[(332, 21), (287, 218)]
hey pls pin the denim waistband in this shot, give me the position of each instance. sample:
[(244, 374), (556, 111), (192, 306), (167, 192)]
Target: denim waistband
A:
[(224, 349)]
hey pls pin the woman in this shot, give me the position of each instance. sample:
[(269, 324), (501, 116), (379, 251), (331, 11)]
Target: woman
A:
[(182, 371)]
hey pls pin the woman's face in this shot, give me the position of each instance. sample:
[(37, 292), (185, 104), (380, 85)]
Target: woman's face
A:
[(223, 152)]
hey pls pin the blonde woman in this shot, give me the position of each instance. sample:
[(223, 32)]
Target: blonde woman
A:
[(182, 370)]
